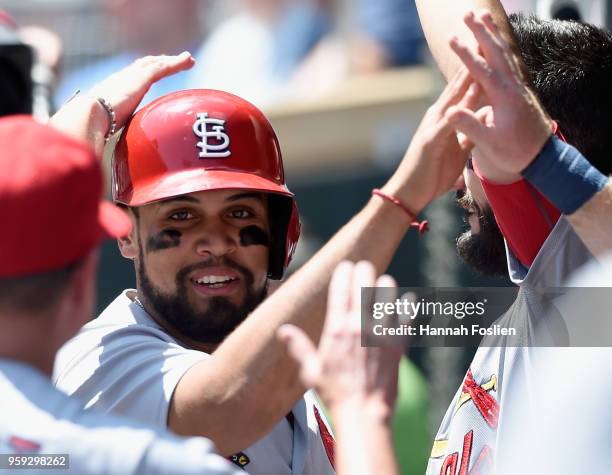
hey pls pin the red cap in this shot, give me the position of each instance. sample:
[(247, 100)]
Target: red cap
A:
[(50, 199)]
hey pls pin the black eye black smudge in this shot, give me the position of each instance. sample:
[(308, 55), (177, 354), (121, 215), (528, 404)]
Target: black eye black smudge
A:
[(254, 236), (164, 240)]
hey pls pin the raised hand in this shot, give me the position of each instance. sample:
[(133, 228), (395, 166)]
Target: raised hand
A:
[(435, 158), (515, 127), (125, 89), (341, 370), (85, 118)]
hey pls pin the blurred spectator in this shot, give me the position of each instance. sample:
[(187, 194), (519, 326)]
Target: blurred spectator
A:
[(48, 48), (254, 52), (16, 60), (149, 27), (389, 35), (275, 49)]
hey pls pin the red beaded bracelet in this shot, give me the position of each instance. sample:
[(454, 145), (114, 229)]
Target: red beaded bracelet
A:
[(422, 226)]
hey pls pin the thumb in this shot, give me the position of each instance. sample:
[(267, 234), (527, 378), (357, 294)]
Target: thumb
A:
[(467, 122), (303, 352)]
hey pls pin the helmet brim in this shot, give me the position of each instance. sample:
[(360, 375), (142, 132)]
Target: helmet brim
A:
[(196, 180)]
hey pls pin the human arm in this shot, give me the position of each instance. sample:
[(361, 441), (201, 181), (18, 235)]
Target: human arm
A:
[(250, 371), (358, 384), (442, 19), (518, 125)]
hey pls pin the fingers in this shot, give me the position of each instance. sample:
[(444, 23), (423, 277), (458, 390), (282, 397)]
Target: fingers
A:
[(455, 88), (364, 276), (303, 351), (488, 20), (471, 97), (477, 66), (339, 295), (468, 123), (491, 43), (170, 65), (466, 146), (153, 68), (386, 289)]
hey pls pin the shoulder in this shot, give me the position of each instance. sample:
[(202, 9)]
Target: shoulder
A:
[(563, 253)]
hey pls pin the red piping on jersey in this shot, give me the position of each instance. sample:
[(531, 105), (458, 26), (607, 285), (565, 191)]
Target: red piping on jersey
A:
[(326, 437)]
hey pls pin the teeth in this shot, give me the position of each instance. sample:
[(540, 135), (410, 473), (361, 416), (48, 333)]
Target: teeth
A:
[(214, 279)]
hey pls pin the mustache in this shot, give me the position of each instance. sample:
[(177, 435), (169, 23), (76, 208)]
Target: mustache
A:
[(213, 262), (466, 201)]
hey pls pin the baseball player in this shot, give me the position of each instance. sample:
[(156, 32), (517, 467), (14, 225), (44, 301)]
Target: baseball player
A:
[(473, 424), (53, 222), (201, 175), (563, 435)]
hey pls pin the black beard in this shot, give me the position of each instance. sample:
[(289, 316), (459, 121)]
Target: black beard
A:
[(484, 252), (211, 326)]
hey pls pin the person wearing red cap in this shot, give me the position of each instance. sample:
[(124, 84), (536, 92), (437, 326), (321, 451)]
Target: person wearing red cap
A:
[(53, 221)]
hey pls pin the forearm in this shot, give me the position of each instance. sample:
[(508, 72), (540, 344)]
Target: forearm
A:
[(442, 19), (364, 442), (250, 376), (83, 118), (593, 222)]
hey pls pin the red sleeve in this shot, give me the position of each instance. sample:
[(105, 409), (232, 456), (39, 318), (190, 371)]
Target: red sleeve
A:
[(524, 216)]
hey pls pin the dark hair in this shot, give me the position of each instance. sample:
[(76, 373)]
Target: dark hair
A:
[(570, 65), (35, 293)]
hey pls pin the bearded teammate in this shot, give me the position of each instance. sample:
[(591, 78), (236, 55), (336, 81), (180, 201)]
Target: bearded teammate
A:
[(540, 252), (542, 434), (201, 175)]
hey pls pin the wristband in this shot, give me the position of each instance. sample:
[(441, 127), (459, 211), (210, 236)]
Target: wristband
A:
[(423, 226), (564, 176)]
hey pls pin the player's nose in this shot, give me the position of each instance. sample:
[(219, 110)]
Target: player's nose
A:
[(215, 240)]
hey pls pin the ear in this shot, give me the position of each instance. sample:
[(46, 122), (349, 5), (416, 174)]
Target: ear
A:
[(128, 245)]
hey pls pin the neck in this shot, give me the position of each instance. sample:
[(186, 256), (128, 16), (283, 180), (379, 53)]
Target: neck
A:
[(26, 338), (170, 329)]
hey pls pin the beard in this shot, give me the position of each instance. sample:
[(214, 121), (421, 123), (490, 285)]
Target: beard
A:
[(212, 325), (483, 252)]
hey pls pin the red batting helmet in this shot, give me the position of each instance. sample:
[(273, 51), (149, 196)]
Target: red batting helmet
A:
[(198, 140)]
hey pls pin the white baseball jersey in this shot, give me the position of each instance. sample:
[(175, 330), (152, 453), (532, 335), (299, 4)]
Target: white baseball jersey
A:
[(123, 362), (565, 428), (473, 424), (36, 418)]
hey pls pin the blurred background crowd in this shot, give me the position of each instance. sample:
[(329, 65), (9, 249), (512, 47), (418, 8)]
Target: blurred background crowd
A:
[(344, 83)]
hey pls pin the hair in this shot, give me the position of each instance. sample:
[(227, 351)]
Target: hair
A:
[(127, 209), (37, 293), (570, 67)]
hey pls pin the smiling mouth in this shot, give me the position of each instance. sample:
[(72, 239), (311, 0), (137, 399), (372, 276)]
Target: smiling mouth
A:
[(214, 282)]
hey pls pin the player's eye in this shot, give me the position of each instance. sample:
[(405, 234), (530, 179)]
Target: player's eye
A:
[(181, 216), (240, 213)]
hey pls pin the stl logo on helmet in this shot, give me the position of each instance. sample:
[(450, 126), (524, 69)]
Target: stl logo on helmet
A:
[(208, 128)]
